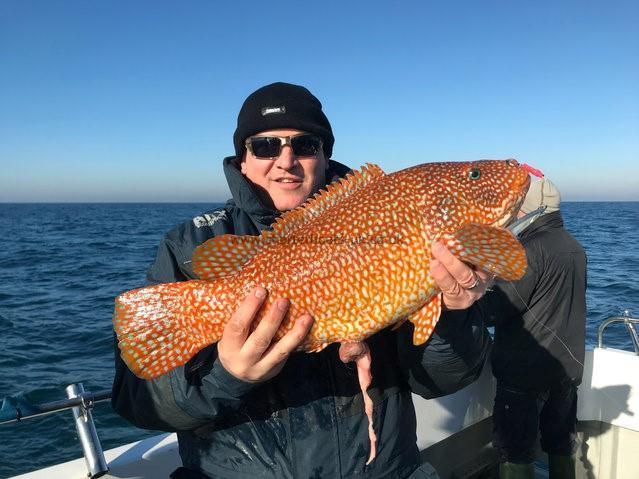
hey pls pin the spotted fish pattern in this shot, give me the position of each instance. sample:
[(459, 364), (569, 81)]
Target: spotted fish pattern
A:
[(355, 256)]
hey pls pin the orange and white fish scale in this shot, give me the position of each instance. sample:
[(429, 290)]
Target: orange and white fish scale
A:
[(356, 257)]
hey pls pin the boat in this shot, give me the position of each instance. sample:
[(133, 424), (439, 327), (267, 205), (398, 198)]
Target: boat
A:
[(453, 432)]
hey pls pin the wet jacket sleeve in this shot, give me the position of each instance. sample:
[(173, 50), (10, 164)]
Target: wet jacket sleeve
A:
[(187, 397), (451, 359)]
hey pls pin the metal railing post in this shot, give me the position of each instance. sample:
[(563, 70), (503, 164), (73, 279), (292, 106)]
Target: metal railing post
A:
[(631, 330), (93, 455), (629, 323)]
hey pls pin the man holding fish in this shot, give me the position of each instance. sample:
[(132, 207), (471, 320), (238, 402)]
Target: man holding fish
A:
[(243, 398)]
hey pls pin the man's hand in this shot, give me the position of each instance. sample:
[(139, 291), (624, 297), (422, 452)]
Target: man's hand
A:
[(255, 357), (461, 285)]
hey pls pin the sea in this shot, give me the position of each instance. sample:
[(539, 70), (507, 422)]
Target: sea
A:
[(61, 265)]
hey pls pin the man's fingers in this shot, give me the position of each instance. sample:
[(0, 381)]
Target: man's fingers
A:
[(443, 278), (461, 284), (256, 357), (460, 271), (260, 339), (288, 343), (237, 329)]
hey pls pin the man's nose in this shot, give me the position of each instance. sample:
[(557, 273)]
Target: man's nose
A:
[(287, 158)]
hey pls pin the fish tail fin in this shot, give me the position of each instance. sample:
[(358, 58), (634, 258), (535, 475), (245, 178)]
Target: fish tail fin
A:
[(490, 248), (160, 328)]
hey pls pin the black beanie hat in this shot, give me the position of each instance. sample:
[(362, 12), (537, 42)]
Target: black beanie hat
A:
[(282, 105)]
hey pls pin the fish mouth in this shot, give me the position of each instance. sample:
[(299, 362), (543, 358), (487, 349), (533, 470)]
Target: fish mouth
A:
[(510, 209), (511, 206)]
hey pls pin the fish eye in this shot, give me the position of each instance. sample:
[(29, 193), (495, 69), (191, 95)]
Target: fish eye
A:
[(474, 174)]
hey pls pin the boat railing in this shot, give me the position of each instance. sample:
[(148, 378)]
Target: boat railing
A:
[(628, 321), (80, 403)]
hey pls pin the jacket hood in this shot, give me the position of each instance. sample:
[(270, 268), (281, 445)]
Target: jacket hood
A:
[(246, 198)]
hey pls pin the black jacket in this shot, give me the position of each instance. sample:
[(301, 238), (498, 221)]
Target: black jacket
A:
[(540, 320), (309, 420)]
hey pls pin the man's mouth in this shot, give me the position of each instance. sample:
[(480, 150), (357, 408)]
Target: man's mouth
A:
[(289, 180)]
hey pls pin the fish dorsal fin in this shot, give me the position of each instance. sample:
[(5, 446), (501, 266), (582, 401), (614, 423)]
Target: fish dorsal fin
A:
[(224, 255), (325, 199)]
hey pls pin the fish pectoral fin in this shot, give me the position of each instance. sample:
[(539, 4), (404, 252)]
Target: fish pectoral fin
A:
[(490, 248), (224, 255), (425, 319)]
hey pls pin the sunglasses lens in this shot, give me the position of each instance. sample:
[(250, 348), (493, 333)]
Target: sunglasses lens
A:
[(266, 146), (306, 145), (271, 146)]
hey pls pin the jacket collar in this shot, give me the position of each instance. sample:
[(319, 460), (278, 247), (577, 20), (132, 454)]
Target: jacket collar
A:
[(543, 223), (246, 198)]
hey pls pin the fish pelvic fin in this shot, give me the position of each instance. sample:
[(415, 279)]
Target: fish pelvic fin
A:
[(490, 248), (425, 319), (159, 327), (224, 255), (325, 199)]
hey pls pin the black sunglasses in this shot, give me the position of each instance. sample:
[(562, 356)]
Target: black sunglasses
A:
[(304, 144)]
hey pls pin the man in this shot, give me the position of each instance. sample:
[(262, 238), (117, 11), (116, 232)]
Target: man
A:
[(538, 354), (250, 407)]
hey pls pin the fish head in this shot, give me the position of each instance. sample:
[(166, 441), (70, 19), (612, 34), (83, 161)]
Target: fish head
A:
[(487, 192)]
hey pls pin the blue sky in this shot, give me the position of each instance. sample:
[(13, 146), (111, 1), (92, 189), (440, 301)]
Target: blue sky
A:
[(137, 101)]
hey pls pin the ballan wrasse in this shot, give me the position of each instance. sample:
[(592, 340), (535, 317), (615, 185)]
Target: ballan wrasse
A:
[(355, 256)]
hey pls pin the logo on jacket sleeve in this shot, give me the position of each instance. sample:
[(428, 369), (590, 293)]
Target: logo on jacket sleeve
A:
[(209, 219)]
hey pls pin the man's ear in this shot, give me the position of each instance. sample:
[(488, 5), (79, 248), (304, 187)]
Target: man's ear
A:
[(243, 163)]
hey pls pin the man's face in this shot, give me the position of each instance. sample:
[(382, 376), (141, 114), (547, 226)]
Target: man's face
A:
[(286, 181)]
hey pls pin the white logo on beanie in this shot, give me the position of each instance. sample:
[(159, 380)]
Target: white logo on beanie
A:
[(273, 110)]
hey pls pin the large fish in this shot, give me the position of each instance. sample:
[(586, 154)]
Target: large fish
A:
[(356, 257)]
